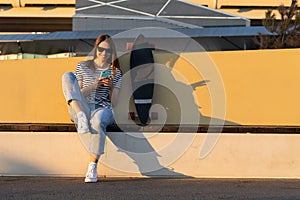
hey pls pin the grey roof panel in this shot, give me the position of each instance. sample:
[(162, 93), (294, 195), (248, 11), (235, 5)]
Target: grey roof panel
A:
[(158, 10), (106, 10), (198, 32), (83, 3), (147, 6), (82, 42)]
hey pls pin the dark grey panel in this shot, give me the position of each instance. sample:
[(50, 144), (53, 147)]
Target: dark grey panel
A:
[(91, 24), (106, 10), (81, 42), (83, 3), (132, 11), (148, 6), (197, 32)]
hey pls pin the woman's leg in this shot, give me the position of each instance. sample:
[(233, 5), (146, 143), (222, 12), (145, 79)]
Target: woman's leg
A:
[(78, 107), (100, 119)]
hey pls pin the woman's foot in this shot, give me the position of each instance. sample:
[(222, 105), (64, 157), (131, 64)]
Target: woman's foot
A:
[(91, 175)]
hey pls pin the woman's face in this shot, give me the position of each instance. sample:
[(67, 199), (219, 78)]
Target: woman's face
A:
[(104, 51)]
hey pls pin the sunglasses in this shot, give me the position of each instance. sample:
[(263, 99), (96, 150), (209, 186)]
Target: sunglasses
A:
[(101, 49)]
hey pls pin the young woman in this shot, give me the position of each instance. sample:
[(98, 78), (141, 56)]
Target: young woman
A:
[(91, 95)]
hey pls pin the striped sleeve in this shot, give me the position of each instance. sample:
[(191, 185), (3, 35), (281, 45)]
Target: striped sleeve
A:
[(78, 72), (117, 82)]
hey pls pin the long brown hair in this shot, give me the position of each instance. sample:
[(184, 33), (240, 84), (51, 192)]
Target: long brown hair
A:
[(114, 59)]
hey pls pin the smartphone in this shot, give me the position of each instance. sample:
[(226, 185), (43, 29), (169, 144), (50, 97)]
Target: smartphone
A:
[(105, 73)]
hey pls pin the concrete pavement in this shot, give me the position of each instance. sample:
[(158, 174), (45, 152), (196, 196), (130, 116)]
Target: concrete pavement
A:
[(146, 188)]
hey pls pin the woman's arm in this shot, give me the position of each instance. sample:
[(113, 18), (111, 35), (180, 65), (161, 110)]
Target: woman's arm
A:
[(114, 96), (113, 92)]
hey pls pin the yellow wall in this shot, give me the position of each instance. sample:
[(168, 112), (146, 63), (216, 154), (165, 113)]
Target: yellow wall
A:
[(261, 87), (32, 90)]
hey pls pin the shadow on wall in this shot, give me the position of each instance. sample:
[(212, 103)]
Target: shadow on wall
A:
[(173, 96), (142, 155)]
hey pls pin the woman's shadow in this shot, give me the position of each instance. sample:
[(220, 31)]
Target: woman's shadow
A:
[(142, 154)]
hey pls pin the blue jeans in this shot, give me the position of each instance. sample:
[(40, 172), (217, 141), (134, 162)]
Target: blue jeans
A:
[(99, 117)]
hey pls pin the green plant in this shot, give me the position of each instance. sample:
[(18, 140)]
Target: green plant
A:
[(285, 33)]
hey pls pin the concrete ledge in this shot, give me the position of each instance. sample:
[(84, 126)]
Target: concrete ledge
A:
[(70, 127), (233, 156)]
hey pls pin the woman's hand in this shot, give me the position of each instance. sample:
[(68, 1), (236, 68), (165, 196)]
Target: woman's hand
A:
[(105, 82), (97, 84)]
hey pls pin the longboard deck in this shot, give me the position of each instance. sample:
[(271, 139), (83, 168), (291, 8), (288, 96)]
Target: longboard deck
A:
[(142, 77)]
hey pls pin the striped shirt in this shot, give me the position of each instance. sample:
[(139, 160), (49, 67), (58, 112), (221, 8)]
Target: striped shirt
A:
[(99, 96)]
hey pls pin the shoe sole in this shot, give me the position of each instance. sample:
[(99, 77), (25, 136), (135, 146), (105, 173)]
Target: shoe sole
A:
[(89, 180)]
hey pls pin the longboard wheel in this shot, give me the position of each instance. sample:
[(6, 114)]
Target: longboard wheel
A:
[(154, 115), (131, 115)]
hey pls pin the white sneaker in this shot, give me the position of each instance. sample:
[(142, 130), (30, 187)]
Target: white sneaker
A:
[(83, 125), (91, 175)]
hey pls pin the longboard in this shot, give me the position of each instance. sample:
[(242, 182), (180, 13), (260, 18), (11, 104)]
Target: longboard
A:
[(142, 77)]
